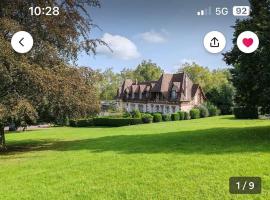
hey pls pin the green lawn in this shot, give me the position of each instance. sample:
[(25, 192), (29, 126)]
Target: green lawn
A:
[(169, 160)]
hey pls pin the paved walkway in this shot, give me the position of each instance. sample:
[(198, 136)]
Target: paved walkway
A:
[(33, 127)]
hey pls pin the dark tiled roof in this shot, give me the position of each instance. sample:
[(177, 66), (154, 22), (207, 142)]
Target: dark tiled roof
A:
[(185, 87)]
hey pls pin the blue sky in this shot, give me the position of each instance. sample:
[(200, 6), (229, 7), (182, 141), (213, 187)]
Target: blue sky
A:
[(167, 32)]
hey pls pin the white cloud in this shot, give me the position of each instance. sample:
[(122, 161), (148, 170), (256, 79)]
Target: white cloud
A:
[(120, 47), (154, 37)]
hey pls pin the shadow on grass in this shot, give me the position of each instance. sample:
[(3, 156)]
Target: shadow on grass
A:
[(206, 141)]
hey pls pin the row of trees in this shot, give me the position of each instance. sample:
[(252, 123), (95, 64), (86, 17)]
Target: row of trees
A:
[(42, 84)]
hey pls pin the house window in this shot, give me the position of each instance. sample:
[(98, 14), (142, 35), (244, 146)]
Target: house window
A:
[(167, 109), (140, 107), (157, 108), (173, 94), (162, 108), (173, 109)]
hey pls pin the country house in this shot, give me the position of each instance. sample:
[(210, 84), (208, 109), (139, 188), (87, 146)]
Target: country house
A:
[(169, 94)]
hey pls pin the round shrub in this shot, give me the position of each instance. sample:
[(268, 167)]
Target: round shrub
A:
[(127, 115), (213, 110), (182, 115), (175, 117), (194, 113), (157, 117), (186, 116), (203, 111), (136, 114), (166, 117), (147, 118)]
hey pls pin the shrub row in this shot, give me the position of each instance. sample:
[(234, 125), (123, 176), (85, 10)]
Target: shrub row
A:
[(137, 118)]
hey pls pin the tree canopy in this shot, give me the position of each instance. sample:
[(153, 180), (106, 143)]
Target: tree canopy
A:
[(42, 85), (251, 72), (216, 85)]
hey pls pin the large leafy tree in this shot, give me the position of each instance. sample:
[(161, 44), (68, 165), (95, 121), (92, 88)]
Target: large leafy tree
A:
[(42, 82), (215, 83), (147, 71), (251, 72), (110, 81)]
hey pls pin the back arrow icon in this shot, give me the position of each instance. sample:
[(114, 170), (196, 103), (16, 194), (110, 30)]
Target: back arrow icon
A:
[(21, 42)]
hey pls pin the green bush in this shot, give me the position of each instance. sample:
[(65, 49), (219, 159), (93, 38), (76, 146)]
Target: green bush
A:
[(194, 113), (127, 115), (116, 122), (84, 122), (175, 117), (166, 117), (147, 118), (157, 117), (182, 115), (187, 116), (213, 110), (203, 111), (73, 123), (246, 112), (136, 114)]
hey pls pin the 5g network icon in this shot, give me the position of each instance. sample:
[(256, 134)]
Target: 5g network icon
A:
[(224, 11)]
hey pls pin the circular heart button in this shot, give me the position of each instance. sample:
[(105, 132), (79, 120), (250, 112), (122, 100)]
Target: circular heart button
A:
[(248, 42)]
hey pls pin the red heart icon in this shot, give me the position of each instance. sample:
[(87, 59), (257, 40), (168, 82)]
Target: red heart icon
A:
[(247, 42)]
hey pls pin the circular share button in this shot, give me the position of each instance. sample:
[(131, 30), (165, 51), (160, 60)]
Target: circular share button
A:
[(214, 42)]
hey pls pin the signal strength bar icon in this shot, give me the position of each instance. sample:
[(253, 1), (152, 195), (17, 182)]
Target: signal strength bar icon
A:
[(204, 12)]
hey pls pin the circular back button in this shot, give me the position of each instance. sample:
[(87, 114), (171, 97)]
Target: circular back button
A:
[(22, 42)]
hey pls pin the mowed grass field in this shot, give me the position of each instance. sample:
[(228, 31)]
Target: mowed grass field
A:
[(168, 160)]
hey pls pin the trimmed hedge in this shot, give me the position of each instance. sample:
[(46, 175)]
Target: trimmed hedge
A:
[(147, 118), (157, 117), (116, 122), (73, 123), (166, 117), (182, 115), (203, 111), (175, 117), (194, 113), (246, 112), (81, 123)]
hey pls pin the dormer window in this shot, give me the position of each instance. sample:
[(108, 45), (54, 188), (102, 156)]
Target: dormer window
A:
[(173, 94)]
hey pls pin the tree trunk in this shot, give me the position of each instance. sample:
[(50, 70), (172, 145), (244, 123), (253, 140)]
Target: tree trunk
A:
[(2, 138)]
